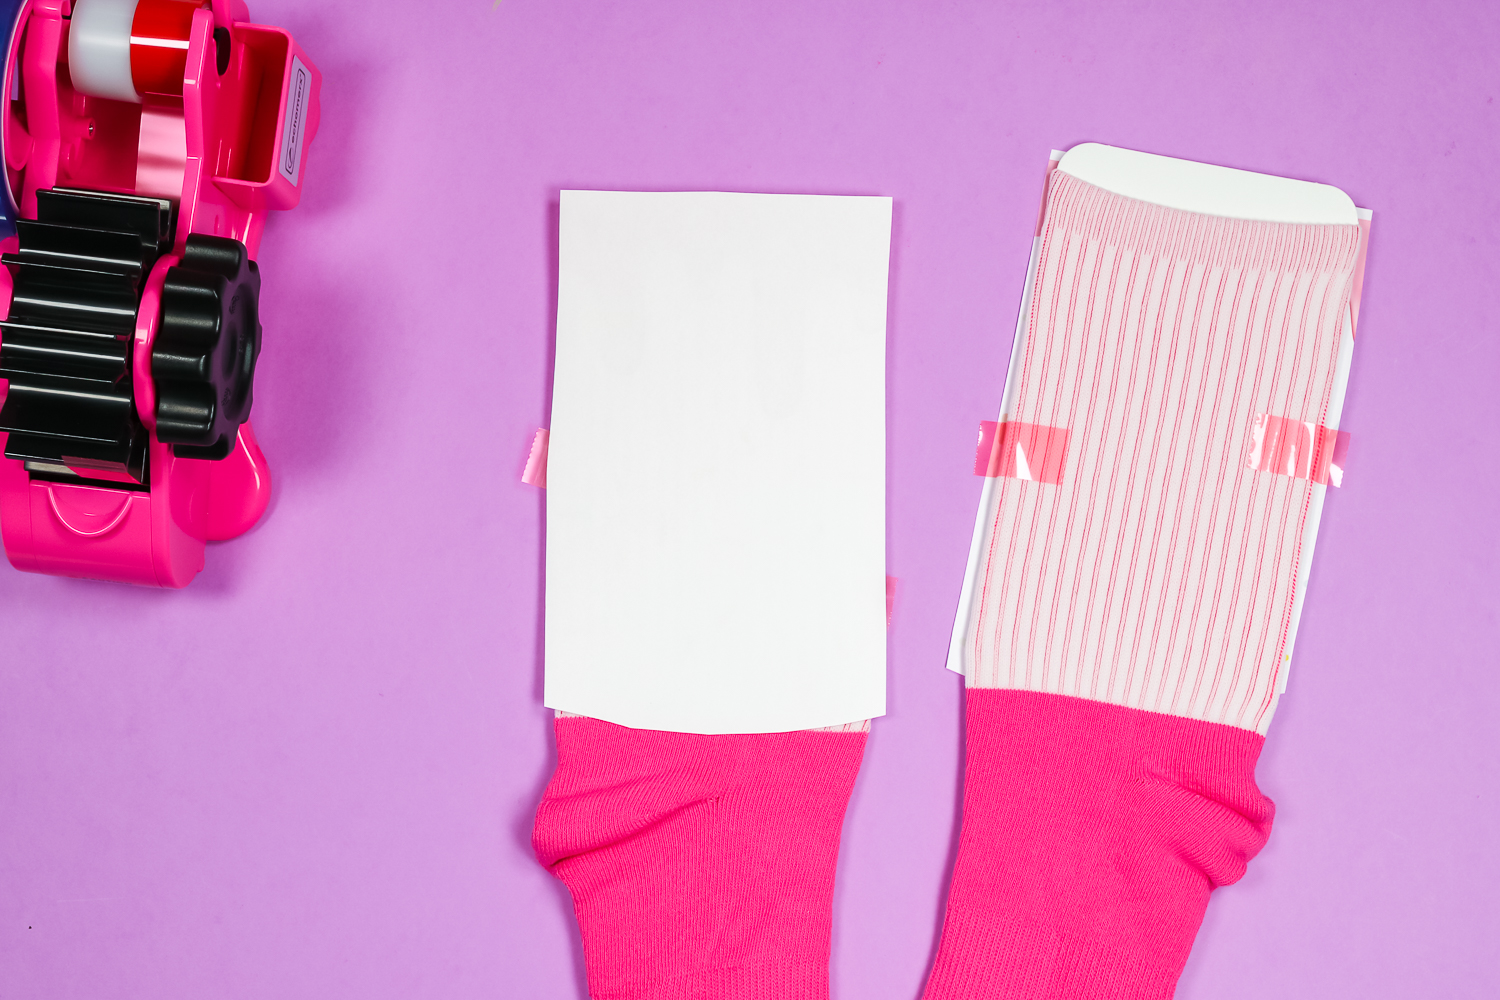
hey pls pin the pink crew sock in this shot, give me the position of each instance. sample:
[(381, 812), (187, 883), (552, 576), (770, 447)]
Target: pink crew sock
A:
[(1092, 837), (700, 866), (1134, 606)]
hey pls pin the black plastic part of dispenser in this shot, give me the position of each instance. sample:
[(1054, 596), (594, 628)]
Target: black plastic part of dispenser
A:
[(221, 50), (66, 347), (203, 361)]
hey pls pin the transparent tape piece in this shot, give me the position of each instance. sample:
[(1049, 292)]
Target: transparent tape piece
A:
[(535, 473), (1298, 449), (1015, 450)]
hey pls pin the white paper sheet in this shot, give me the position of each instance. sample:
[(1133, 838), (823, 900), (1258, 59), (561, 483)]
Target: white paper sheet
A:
[(1205, 187), (716, 473)]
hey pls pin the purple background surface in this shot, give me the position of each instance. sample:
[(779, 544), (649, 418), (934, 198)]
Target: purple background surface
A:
[(312, 773)]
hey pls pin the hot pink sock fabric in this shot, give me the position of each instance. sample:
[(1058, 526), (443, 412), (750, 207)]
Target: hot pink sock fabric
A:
[(700, 866), (1092, 837)]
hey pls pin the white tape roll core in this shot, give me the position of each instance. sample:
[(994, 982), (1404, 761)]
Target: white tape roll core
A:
[(99, 49)]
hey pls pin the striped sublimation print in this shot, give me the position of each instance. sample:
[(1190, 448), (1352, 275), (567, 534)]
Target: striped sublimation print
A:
[(1158, 571)]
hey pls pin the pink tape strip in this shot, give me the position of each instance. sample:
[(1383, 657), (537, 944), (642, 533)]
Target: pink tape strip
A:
[(536, 462), (1016, 450), (1298, 449), (890, 599)]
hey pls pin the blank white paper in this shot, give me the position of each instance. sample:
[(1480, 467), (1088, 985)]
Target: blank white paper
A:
[(716, 474)]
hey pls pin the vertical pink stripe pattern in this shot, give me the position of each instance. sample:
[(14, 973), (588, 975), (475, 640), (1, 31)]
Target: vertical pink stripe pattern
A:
[(1160, 573)]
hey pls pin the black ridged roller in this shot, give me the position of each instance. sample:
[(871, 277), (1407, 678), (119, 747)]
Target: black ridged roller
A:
[(66, 345), (203, 361)]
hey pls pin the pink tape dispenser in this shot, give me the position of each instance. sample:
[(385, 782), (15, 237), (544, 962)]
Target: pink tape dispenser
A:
[(144, 142)]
